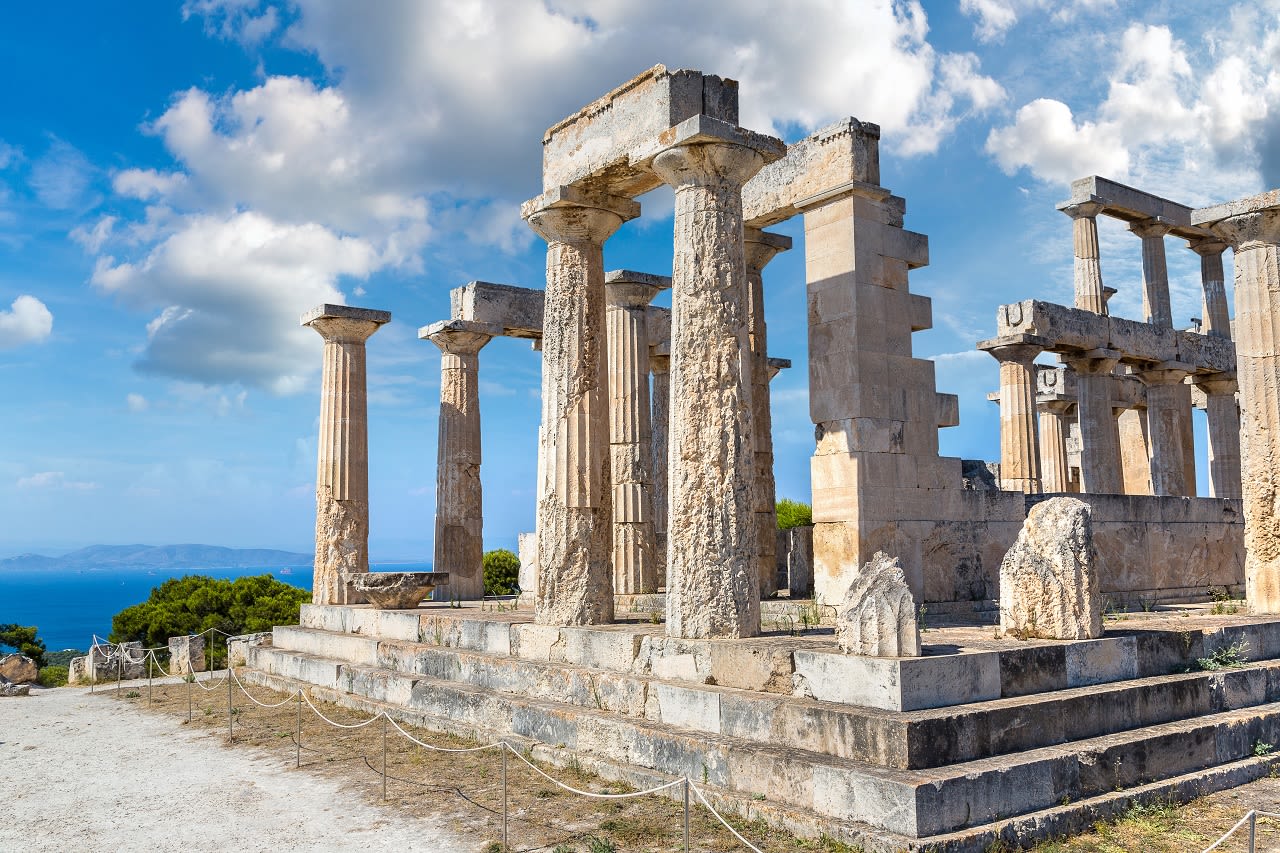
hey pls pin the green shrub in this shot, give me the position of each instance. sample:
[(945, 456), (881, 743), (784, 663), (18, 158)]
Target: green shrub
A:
[(23, 640), (52, 676), (501, 572), (62, 658), (793, 514)]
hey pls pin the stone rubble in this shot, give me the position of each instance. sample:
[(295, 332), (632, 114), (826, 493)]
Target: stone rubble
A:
[(878, 615), (19, 669), (1049, 578)]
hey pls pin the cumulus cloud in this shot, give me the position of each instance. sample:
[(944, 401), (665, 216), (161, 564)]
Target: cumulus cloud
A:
[(27, 321), (994, 18), (54, 480), (1046, 138)]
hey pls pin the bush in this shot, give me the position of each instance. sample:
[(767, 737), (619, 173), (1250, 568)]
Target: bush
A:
[(63, 657), (501, 572), (23, 640), (52, 676), (793, 514), (196, 603)]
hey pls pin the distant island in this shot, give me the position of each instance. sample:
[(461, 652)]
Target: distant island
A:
[(156, 557)]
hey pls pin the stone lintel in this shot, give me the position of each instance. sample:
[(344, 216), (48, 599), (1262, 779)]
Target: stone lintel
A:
[(1016, 339), (1209, 216), (776, 242), (344, 312), (569, 195), (490, 329), (661, 282), (517, 310), (1133, 205), (779, 363)]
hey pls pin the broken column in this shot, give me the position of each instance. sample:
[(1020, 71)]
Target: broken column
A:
[(627, 297), (712, 584), (1100, 469), (1223, 415), (1049, 578), (1252, 227), (574, 513), (760, 247), (1164, 427), (1216, 319), (459, 542), (1088, 264), (1019, 442), (342, 470)]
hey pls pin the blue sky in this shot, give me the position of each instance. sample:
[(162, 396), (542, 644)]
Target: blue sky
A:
[(178, 182)]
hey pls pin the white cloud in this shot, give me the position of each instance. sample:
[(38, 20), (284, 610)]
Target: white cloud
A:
[(1046, 139), (54, 480), (93, 239), (27, 321), (146, 184), (234, 20), (137, 403), (996, 17), (62, 178), (8, 155)]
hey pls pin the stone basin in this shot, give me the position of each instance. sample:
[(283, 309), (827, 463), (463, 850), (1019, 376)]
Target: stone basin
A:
[(396, 590)]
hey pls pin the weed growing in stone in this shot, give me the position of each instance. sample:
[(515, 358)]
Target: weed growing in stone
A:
[(1262, 747), (1226, 657)]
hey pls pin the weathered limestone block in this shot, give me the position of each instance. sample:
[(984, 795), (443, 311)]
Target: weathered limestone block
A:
[(397, 590), (795, 560), (78, 670), (19, 669), (8, 688), (1049, 578), (878, 616), (528, 579), (186, 655), (238, 647), (107, 663)]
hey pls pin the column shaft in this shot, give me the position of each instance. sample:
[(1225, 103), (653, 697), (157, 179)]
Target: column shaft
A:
[(661, 402), (1155, 272), (1223, 414), (1100, 470), (1217, 319), (1165, 431), (1055, 469), (1088, 264), (1135, 451), (1019, 439)]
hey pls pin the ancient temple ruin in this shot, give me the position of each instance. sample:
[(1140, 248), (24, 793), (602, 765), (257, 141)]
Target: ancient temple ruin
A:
[(653, 637)]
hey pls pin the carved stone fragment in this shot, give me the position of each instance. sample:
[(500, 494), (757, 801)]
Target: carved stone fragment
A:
[(1049, 578), (878, 616)]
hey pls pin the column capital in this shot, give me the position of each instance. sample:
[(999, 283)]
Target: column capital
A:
[(1217, 383), (630, 289), (343, 323), (1056, 406), (777, 365), (762, 246), (459, 337), (1244, 222), (1092, 362), (1020, 348), (1166, 373), (571, 214), (1156, 226), (1084, 209), (1207, 246), (703, 151)]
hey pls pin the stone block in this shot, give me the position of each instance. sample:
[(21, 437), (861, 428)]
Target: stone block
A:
[(18, 669), (1049, 578), (898, 684), (239, 648), (691, 709), (535, 642), (1101, 661), (515, 311), (186, 655), (878, 615)]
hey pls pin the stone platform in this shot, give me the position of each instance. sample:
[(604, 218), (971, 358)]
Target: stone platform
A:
[(979, 739)]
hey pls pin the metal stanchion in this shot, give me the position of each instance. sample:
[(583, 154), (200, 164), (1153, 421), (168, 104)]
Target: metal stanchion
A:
[(119, 670), (686, 814), (230, 727), (384, 755), (1253, 831), (149, 681), (191, 676), (505, 848), (297, 750)]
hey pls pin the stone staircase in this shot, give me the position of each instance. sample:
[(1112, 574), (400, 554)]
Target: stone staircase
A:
[(977, 740)]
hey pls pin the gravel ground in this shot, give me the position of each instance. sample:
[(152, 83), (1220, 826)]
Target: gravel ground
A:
[(81, 772)]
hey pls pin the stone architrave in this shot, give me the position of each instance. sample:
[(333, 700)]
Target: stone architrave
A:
[(574, 512), (660, 365), (186, 654), (1100, 467), (1165, 428), (713, 588), (342, 469), (1019, 441), (1213, 282), (1049, 578), (1155, 271), (627, 297), (1223, 415), (760, 247), (459, 540), (878, 615), (1088, 264), (1055, 467)]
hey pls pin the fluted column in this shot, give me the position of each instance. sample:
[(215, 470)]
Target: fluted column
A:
[(1155, 271), (660, 365), (1019, 439), (459, 543), (1135, 450), (1088, 264), (1165, 427), (712, 584), (1217, 319), (342, 466), (760, 247), (627, 295), (1223, 414), (574, 513), (1100, 471), (1054, 467)]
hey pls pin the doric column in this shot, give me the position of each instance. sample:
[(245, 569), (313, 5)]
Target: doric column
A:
[(760, 247), (574, 513), (1217, 319), (1155, 271), (1135, 449), (627, 295), (1100, 471), (1054, 467), (660, 365), (1019, 441), (1223, 414), (712, 584), (459, 544), (1165, 427), (342, 467), (1088, 268)]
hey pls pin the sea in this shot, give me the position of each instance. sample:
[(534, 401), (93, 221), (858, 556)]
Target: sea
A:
[(69, 607)]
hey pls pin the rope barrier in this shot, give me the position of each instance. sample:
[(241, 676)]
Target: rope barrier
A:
[(373, 719), (712, 809), (434, 748), (593, 794), (282, 703)]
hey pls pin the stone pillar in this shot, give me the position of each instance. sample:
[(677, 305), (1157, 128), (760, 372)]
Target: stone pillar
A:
[(1165, 427), (1088, 271), (1135, 450), (1223, 414), (660, 365), (1155, 271), (459, 544), (760, 247), (1217, 320), (1252, 227), (1054, 467), (1100, 470), (627, 295), (1019, 441), (574, 513), (342, 467), (713, 589)]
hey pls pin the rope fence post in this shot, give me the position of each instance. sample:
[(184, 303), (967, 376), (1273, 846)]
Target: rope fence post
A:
[(297, 750), (1253, 832), (384, 754), (505, 846), (191, 677), (149, 660), (230, 726), (119, 670), (686, 814)]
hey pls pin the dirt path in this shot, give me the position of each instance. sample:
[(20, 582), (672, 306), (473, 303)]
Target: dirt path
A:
[(82, 772)]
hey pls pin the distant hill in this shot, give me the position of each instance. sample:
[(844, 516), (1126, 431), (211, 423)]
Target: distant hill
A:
[(156, 557)]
